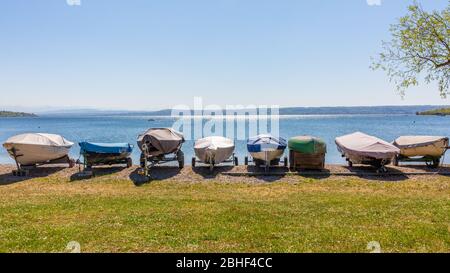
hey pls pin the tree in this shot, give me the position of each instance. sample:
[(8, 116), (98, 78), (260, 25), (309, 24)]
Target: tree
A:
[(419, 49)]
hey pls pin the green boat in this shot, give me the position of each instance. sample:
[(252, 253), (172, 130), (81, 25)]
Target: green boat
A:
[(307, 145)]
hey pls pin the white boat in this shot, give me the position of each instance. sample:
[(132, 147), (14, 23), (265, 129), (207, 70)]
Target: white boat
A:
[(214, 150), (359, 148), (37, 148), (266, 149)]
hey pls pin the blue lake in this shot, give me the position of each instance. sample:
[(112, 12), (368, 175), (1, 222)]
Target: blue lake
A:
[(114, 128)]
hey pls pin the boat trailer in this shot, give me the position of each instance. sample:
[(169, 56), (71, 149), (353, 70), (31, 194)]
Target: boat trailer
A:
[(24, 170), (147, 162)]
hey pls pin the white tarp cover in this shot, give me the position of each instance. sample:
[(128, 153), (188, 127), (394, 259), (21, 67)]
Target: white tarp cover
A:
[(360, 144), (220, 148), (39, 139), (417, 141)]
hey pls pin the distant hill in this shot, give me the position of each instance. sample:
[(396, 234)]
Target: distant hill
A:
[(356, 110), (436, 112), (9, 114), (338, 110)]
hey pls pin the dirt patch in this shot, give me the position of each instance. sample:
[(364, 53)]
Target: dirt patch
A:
[(225, 174)]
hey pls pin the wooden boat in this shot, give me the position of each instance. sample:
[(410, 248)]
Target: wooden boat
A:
[(306, 152), (428, 149)]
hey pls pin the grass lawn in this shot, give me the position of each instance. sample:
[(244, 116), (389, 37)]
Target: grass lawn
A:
[(323, 215)]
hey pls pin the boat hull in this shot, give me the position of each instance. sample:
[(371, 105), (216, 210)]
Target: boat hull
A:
[(30, 154), (214, 150), (357, 159), (267, 156), (434, 149), (215, 156)]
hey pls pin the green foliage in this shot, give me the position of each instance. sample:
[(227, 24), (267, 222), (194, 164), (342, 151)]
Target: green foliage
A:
[(420, 47), (442, 111), (8, 114)]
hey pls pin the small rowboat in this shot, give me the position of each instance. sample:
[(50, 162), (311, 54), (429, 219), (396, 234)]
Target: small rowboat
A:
[(160, 145), (428, 149), (266, 150), (38, 149), (106, 153), (307, 152), (214, 150), (359, 148)]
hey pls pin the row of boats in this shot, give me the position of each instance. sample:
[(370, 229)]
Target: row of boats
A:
[(160, 145)]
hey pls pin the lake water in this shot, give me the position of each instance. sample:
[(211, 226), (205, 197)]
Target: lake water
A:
[(114, 128)]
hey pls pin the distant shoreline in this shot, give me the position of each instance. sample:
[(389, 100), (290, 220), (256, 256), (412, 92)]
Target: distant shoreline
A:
[(10, 114), (282, 111), (437, 112)]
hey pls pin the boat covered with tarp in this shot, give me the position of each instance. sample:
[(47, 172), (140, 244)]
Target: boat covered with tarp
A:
[(307, 152), (360, 148), (429, 149), (266, 149), (106, 153), (422, 145), (307, 145), (157, 144), (38, 148), (214, 150)]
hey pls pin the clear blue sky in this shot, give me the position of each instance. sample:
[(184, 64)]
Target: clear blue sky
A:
[(153, 54)]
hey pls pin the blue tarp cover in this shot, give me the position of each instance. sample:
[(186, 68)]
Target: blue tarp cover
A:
[(106, 148), (265, 142)]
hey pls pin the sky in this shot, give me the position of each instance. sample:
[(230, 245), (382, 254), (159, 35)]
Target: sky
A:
[(152, 54)]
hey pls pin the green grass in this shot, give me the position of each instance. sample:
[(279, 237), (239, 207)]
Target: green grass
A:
[(330, 215)]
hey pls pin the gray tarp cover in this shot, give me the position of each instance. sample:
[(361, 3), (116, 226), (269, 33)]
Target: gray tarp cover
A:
[(360, 144), (417, 141), (161, 140)]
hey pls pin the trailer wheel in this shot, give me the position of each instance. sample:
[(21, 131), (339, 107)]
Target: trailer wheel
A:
[(129, 162), (350, 164), (258, 163), (285, 161), (274, 162), (180, 158), (71, 163), (193, 162), (246, 161), (236, 161), (434, 164)]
